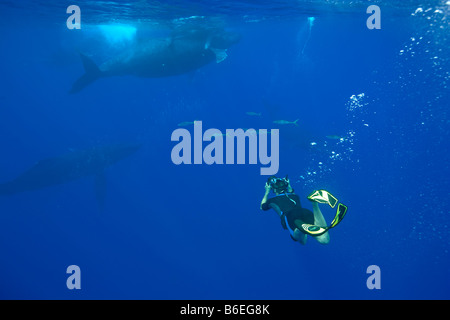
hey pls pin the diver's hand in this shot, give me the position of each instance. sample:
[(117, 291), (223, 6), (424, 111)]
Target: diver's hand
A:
[(266, 195), (289, 188)]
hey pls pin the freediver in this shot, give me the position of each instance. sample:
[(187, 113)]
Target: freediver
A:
[(300, 221)]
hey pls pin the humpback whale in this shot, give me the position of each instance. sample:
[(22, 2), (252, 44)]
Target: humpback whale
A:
[(69, 167), (186, 50)]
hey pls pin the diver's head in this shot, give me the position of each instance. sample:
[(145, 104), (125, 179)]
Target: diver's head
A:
[(278, 185)]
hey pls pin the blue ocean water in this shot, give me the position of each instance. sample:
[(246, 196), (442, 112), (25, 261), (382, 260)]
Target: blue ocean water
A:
[(373, 129)]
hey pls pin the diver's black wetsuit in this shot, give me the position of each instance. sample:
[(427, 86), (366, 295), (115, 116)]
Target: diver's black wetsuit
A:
[(291, 209)]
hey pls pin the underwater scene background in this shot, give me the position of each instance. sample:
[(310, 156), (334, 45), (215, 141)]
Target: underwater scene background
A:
[(373, 129)]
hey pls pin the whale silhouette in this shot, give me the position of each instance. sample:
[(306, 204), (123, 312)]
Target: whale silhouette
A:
[(68, 167), (186, 50)]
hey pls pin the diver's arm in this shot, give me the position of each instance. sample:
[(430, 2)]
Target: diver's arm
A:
[(266, 195), (289, 188)]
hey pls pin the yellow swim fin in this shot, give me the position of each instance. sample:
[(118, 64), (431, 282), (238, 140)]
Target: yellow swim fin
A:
[(340, 213), (323, 196)]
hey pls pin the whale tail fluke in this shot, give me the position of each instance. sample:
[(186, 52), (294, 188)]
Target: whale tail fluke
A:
[(92, 73)]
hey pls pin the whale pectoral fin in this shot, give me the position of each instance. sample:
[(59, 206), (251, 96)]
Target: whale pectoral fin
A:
[(100, 189), (221, 54), (92, 73)]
